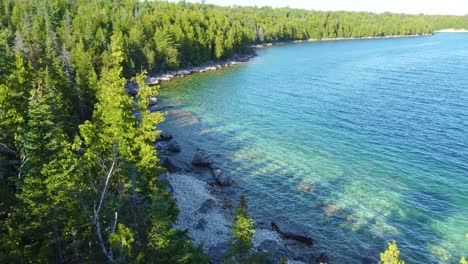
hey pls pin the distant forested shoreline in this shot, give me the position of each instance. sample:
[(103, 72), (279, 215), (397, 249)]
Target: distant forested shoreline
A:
[(77, 168)]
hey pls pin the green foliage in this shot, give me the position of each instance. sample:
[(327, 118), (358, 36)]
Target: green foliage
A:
[(283, 260), (463, 261), (13, 91), (241, 240), (122, 239), (391, 255), (243, 229)]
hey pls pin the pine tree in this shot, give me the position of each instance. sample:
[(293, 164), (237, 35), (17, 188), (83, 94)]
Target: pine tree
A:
[(241, 241), (13, 106), (34, 224), (107, 142)]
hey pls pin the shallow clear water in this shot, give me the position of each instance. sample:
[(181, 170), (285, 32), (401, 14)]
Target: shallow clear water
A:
[(362, 141)]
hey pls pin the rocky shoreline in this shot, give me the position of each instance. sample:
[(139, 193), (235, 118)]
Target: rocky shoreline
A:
[(158, 78), (206, 196), (207, 199), (155, 79), (270, 44)]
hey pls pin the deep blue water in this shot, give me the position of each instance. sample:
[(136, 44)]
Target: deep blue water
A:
[(362, 141)]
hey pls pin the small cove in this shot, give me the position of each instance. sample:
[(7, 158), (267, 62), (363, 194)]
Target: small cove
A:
[(362, 141)]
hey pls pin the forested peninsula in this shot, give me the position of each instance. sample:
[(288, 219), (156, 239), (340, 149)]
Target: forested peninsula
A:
[(78, 169)]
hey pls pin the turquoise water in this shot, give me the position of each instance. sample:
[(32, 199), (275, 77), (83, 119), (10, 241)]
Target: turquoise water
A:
[(362, 141)]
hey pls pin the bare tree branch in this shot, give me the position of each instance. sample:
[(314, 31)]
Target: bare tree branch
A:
[(106, 185)]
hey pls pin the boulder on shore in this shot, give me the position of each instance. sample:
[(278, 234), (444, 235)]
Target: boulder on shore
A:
[(201, 159), (172, 165), (153, 100), (132, 88), (291, 230), (182, 73), (152, 81)]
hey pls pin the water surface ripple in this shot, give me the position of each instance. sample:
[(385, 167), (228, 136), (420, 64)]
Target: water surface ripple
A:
[(362, 141)]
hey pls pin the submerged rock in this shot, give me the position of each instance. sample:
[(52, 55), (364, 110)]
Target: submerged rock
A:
[(164, 137), (371, 259), (292, 230), (173, 147), (221, 178), (322, 258), (201, 159), (262, 225)]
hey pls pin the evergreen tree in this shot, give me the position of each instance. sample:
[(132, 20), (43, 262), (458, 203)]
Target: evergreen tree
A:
[(241, 241), (34, 228)]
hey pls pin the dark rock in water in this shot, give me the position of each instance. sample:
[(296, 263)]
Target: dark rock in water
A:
[(292, 230), (172, 164), (164, 137), (214, 166), (132, 88), (262, 225), (153, 100), (201, 159), (173, 147), (201, 225), (203, 173), (217, 253), (221, 178), (207, 206), (159, 146), (156, 108), (322, 258)]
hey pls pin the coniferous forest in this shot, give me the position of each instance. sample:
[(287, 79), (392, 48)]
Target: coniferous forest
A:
[(78, 171)]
